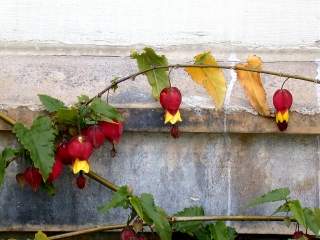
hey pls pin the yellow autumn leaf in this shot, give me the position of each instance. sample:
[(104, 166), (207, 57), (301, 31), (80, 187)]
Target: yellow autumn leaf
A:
[(252, 85), (212, 79)]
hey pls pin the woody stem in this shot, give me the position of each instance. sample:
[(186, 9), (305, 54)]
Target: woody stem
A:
[(134, 75)]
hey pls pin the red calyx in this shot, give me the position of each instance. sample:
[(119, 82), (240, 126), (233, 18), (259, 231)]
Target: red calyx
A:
[(128, 234), (95, 135), (297, 234), (63, 154), (81, 181), (141, 237), (170, 99), (80, 148), (112, 131), (282, 126), (56, 170), (33, 177), (175, 133), (282, 100)]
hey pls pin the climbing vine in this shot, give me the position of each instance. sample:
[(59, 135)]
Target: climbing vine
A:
[(68, 135)]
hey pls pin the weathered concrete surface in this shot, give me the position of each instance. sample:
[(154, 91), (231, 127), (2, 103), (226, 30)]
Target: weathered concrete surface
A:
[(220, 172), (65, 77), (194, 120), (264, 162)]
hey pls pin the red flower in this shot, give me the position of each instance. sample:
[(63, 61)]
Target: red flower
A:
[(80, 148), (63, 153), (95, 135), (170, 100), (33, 178), (112, 131), (282, 101), (56, 170)]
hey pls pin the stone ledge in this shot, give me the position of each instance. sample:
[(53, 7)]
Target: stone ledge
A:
[(196, 120)]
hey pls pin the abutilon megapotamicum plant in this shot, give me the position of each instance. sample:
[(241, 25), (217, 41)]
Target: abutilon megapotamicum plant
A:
[(70, 134)]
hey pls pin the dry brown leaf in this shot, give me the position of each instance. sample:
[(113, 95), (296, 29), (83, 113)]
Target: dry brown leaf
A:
[(211, 78), (252, 84)]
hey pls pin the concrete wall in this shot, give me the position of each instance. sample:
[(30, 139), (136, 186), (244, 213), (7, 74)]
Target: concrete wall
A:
[(68, 48), (220, 161)]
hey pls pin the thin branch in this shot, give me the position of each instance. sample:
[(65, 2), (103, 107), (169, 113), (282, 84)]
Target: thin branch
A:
[(103, 181), (230, 218), (88, 230), (175, 219), (134, 75), (7, 119), (284, 82)]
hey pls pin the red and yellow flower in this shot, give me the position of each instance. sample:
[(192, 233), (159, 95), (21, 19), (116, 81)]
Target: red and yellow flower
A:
[(80, 150), (282, 101), (170, 100)]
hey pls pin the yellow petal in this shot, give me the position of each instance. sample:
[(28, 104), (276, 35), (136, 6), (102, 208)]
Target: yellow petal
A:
[(279, 117), (168, 117), (80, 165), (285, 116), (282, 116)]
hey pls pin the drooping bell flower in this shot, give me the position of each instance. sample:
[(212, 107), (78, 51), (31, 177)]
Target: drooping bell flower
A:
[(112, 131), (170, 100), (56, 170), (33, 178), (80, 150), (127, 234), (95, 135), (297, 235), (282, 101), (63, 153)]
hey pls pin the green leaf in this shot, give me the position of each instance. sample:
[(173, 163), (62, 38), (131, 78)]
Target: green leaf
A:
[(67, 116), (136, 204), (39, 141), (220, 231), (158, 79), (297, 212), (6, 155), (316, 212), (49, 188), (232, 233), (273, 196), (157, 215), (119, 199), (40, 236), (191, 226), (83, 99), (104, 111), (312, 222), (203, 233), (282, 208), (51, 104)]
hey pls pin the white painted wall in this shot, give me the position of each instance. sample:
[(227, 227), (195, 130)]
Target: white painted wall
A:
[(162, 22)]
